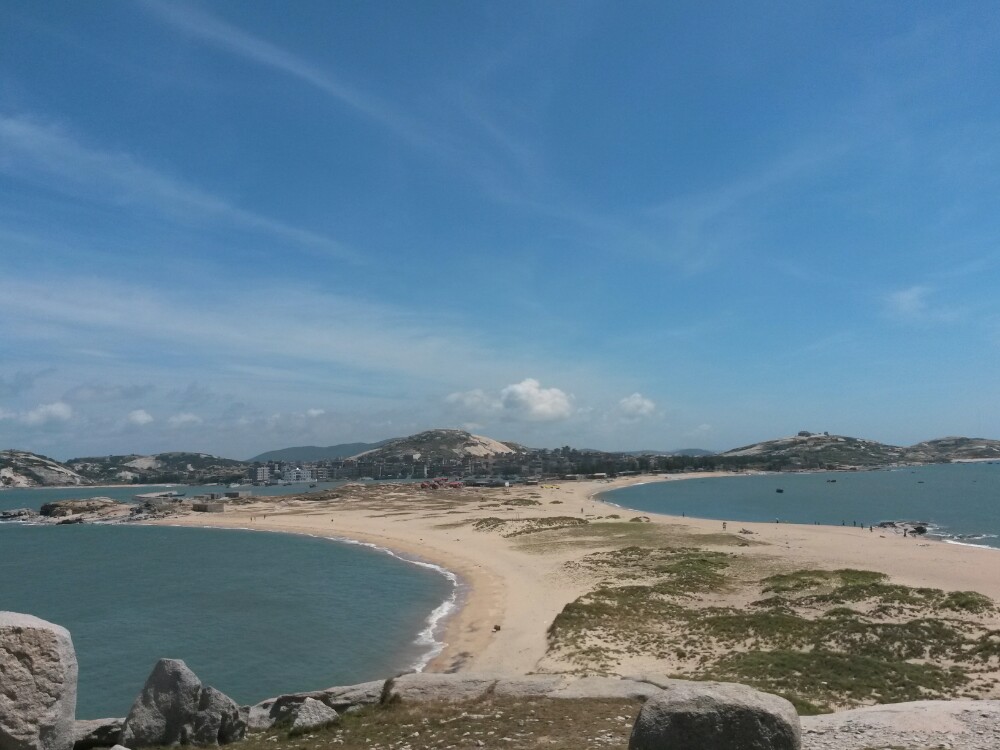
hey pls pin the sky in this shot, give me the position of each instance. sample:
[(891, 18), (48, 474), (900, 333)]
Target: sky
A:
[(238, 226)]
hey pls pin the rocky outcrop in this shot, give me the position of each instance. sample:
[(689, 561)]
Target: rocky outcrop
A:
[(717, 715), (424, 688), (175, 708), (18, 514), (312, 714), (91, 733), (38, 674), (280, 710), (92, 505)]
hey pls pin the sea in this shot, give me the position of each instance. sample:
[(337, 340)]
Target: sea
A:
[(253, 613), (958, 503)]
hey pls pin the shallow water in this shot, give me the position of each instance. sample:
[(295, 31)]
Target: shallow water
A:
[(959, 502)]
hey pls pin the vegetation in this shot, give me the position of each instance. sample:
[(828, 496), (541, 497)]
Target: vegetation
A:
[(799, 639)]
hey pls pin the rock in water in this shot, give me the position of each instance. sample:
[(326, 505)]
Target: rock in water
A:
[(313, 714), (716, 715), (174, 708), (38, 673)]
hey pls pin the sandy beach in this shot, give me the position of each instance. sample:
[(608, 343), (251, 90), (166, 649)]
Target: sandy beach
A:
[(516, 577)]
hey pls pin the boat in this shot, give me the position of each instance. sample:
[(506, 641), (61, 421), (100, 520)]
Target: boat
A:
[(779, 490)]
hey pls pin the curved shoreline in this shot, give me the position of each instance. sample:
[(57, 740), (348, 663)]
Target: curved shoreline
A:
[(931, 534), (437, 617)]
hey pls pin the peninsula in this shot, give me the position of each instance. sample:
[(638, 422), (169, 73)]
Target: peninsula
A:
[(553, 580)]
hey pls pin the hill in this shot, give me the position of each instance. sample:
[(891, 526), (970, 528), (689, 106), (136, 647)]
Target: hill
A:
[(176, 466), (816, 450), (309, 453), (24, 469), (953, 449), (440, 445)]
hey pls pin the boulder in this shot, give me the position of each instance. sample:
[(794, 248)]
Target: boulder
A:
[(312, 714), (174, 708), (717, 715), (91, 733), (38, 674)]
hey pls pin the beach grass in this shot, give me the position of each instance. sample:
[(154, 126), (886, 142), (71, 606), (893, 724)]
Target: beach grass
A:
[(823, 639)]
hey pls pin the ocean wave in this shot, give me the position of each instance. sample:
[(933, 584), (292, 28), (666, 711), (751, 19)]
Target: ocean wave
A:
[(969, 544)]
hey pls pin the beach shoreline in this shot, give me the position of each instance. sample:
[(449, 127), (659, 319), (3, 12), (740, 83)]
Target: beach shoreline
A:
[(507, 594)]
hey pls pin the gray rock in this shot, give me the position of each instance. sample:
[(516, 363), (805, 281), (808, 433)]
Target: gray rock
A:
[(91, 733), (272, 711), (218, 721), (312, 714), (530, 686), (419, 688), (38, 674), (119, 747), (354, 696), (716, 715), (174, 708), (607, 688)]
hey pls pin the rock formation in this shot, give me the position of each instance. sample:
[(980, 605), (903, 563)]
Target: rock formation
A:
[(717, 715), (312, 714), (38, 673), (175, 708)]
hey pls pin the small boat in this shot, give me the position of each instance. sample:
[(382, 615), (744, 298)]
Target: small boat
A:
[(779, 490), (313, 484)]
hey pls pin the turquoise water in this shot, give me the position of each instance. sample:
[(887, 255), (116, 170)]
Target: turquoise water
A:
[(254, 614), (960, 502)]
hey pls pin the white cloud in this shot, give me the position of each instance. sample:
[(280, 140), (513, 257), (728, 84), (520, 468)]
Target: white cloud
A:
[(57, 411), (636, 406), (178, 420), (316, 412), (140, 417), (528, 400)]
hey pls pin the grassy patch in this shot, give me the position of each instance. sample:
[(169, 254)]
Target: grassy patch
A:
[(834, 678)]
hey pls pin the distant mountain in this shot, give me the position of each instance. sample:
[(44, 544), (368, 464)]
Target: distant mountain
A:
[(953, 449), (434, 445), (160, 467), (24, 469), (821, 449), (310, 453)]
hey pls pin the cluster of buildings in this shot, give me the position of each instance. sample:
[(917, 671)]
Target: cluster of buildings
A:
[(547, 463)]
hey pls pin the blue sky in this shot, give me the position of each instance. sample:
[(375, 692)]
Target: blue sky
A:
[(237, 226)]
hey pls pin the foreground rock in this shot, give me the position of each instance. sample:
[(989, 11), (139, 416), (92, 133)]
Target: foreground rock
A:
[(965, 724), (284, 708), (175, 708), (716, 715), (38, 674), (313, 714), (91, 733)]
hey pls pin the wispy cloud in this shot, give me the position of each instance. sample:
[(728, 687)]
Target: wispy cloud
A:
[(917, 304), (47, 154), (212, 29)]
